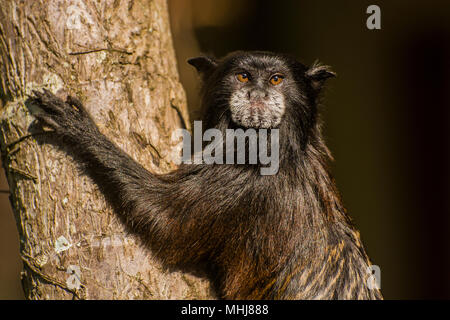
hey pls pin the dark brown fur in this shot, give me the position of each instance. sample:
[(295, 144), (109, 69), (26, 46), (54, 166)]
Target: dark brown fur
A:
[(285, 236)]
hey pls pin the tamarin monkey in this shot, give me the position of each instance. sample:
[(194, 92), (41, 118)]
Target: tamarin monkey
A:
[(280, 236)]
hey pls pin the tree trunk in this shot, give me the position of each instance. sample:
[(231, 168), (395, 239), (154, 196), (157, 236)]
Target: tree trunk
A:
[(117, 57)]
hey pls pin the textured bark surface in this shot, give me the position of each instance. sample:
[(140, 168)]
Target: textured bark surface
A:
[(117, 57)]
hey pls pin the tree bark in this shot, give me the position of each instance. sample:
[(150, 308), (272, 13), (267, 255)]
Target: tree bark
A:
[(117, 57)]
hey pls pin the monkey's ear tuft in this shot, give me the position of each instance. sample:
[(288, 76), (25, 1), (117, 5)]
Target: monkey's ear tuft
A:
[(318, 73), (203, 64)]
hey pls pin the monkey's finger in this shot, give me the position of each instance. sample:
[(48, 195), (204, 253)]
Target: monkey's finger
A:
[(48, 102), (47, 120), (45, 95)]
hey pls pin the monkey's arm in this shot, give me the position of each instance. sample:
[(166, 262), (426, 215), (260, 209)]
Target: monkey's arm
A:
[(159, 208)]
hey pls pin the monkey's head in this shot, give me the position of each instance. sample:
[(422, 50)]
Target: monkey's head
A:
[(259, 89)]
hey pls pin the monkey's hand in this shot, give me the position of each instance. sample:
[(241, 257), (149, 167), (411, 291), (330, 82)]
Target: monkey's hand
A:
[(139, 196), (68, 119)]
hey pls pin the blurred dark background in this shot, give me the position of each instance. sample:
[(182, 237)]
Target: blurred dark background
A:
[(386, 115)]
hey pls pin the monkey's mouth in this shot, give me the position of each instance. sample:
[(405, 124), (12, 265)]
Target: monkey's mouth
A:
[(257, 114), (257, 104)]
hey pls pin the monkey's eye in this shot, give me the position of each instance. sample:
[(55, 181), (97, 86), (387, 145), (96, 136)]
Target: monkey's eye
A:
[(243, 77), (276, 79)]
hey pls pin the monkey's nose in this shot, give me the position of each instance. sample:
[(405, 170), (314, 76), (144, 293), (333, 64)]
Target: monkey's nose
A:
[(257, 94)]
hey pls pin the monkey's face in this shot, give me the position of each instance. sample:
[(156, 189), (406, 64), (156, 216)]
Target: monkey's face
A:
[(257, 87), (260, 89)]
